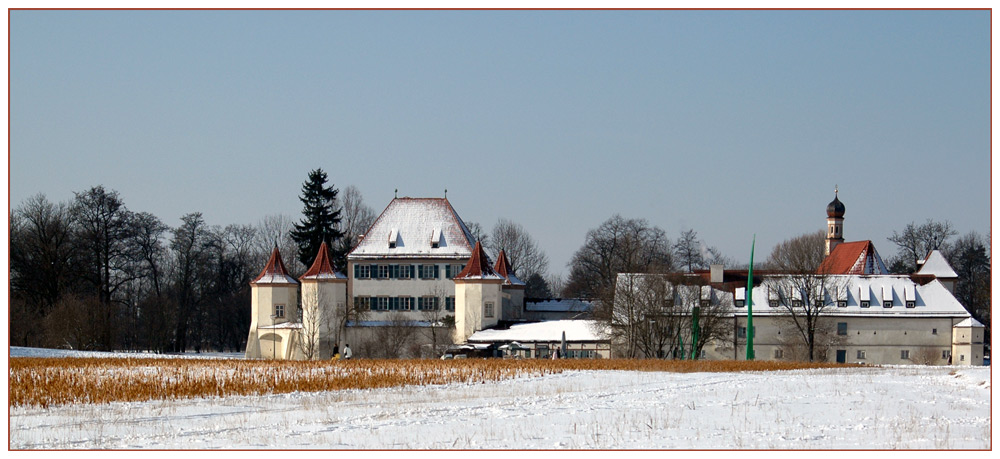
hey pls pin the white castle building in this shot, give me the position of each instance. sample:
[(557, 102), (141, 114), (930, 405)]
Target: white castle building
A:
[(418, 266)]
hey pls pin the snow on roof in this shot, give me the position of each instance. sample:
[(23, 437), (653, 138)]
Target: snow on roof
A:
[(929, 299), (936, 265), (558, 305), (970, 322), (274, 272), (552, 331), (413, 223), (389, 323), (283, 325), (321, 267)]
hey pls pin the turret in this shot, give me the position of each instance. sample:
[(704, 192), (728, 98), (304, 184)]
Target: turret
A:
[(274, 300), (324, 296), (477, 296)]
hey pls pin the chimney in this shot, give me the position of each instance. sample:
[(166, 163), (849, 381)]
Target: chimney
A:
[(716, 273)]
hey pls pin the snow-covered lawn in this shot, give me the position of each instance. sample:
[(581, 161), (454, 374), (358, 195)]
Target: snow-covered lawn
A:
[(895, 407)]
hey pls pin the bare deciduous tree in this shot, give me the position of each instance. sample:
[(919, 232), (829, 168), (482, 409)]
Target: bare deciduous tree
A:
[(525, 257), (355, 217), (619, 245), (687, 251), (916, 241), (803, 291)]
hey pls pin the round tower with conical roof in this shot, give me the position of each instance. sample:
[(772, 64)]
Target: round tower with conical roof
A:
[(834, 222)]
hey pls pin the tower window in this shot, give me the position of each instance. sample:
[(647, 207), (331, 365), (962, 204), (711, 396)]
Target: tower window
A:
[(279, 311), (488, 309)]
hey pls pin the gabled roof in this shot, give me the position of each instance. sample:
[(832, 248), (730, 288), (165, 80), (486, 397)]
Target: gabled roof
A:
[(936, 265), (478, 266), (274, 272), (416, 228), (503, 268), (321, 267), (859, 257)]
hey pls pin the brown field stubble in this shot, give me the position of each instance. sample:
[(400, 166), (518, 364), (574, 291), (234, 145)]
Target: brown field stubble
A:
[(55, 381)]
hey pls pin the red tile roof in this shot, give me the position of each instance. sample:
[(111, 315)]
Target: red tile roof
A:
[(321, 267), (478, 266), (859, 257), (504, 269), (274, 272)]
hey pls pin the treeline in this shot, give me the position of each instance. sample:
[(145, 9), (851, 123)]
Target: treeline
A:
[(92, 274)]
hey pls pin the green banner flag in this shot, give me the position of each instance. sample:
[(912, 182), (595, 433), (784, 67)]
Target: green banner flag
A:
[(694, 332), (749, 295)]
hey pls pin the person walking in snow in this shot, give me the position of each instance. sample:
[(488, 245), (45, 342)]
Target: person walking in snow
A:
[(347, 352)]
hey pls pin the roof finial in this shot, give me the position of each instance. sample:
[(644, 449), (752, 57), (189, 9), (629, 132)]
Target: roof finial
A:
[(835, 190), (446, 193), (395, 193)]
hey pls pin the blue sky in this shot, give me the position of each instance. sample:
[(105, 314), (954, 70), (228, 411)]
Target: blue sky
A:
[(732, 123)]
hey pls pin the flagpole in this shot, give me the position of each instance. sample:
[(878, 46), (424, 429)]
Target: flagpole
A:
[(749, 295)]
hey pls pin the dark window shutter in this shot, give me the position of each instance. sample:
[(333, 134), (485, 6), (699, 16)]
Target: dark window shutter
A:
[(436, 272), (356, 271)]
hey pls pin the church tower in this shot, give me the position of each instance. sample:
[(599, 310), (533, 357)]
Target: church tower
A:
[(478, 296), (834, 223)]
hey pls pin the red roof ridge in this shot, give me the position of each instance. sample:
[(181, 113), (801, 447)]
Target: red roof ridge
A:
[(844, 256), (275, 267), (478, 265)]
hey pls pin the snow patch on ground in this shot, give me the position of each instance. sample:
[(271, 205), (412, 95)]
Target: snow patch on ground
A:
[(901, 407)]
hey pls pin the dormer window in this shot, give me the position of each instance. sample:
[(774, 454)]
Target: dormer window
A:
[(887, 304), (797, 303), (436, 238), (704, 303), (911, 304), (740, 303), (865, 303), (841, 303), (772, 303), (393, 237)]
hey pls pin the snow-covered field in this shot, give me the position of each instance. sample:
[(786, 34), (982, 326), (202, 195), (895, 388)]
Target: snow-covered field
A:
[(911, 407)]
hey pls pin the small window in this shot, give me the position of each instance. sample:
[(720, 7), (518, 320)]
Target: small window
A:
[(865, 303), (669, 302), (383, 271), (772, 303), (841, 303), (887, 304), (817, 304), (488, 309), (428, 271), (904, 354), (778, 353), (797, 303), (279, 311), (842, 328), (861, 355), (933, 331), (449, 303), (404, 271), (740, 303), (704, 303), (741, 332), (382, 303), (362, 271), (961, 357), (945, 354), (362, 303), (911, 304)]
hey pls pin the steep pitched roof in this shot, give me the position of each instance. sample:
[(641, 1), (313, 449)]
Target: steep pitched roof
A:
[(503, 268), (936, 265), (321, 267), (274, 272), (478, 266), (416, 228), (859, 257)]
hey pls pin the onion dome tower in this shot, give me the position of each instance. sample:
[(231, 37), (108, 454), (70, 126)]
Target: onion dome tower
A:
[(834, 222)]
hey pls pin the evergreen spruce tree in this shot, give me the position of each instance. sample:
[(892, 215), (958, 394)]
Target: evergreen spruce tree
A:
[(320, 221)]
